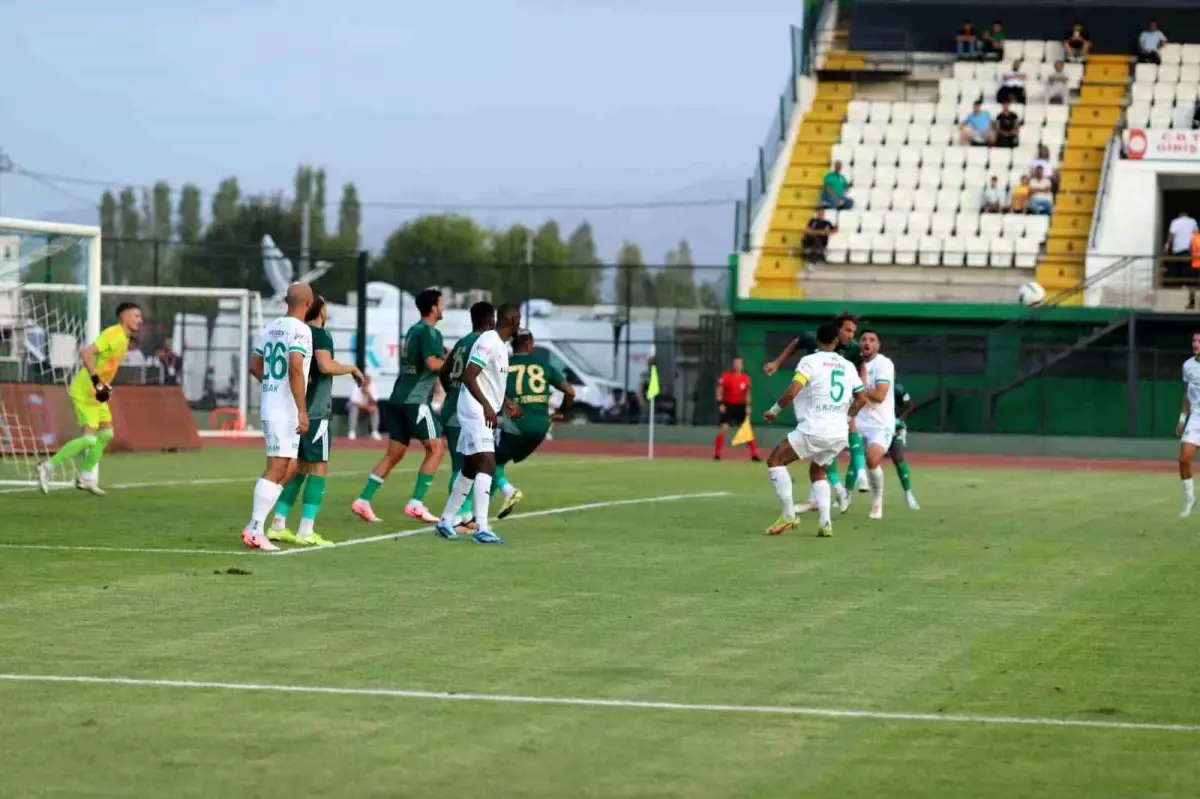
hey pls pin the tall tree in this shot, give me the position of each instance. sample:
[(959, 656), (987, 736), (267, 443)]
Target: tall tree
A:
[(190, 225), (225, 201), (708, 297), (436, 249), (109, 234), (633, 282), (229, 255), (555, 278), (349, 219), (514, 278), (161, 207), (675, 284), (587, 266), (131, 264), (317, 220)]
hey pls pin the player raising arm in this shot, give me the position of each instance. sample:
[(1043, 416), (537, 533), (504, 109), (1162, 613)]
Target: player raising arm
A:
[(313, 465), (89, 393), (281, 363), (479, 407), (828, 389), (1188, 428), (532, 378)]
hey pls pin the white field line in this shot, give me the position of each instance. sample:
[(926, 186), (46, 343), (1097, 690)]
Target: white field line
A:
[(548, 512), (632, 704), (147, 550)]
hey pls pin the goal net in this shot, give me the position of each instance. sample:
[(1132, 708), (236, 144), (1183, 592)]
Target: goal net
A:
[(57, 292)]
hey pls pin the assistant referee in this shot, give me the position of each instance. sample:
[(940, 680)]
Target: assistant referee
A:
[(733, 401)]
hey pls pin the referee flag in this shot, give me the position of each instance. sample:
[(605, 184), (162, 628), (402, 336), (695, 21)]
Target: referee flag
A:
[(744, 434)]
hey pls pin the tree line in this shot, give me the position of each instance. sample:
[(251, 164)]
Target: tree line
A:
[(153, 238)]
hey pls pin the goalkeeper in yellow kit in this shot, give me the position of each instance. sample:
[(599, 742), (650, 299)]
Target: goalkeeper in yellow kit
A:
[(89, 393)]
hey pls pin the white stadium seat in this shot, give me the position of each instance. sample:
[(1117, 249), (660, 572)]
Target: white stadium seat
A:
[(1014, 226), (1183, 117), (881, 112), (1190, 73), (895, 222), (952, 177), (943, 135), (848, 221), (1036, 228), (923, 113), (953, 251), (1171, 53), (882, 248), (1034, 114), (966, 224), (1035, 52), (1054, 51), (990, 225), (906, 250), (880, 199), (896, 134), (947, 202), (887, 156), (964, 70), (975, 180), (1161, 116), (977, 158), (873, 134), (932, 156), (946, 112), (902, 112), (903, 199), (1142, 92), (1001, 252), (864, 154), (969, 200), (942, 225), (907, 177), (843, 153), (918, 134), (925, 199), (1191, 54), (930, 251), (910, 156), (1145, 73), (1026, 253), (1168, 74), (885, 177), (947, 90), (859, 246), (858, 111), (852, 134), (1138, 114), (999, 159), (978, 249), (930, 177), (1057, 114), (836, 251), (955, 156), (918, 223), (871, 222), (1164, 93), (1014, 50)]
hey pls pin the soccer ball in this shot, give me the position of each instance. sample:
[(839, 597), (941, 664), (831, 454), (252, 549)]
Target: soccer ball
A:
[(1030, 294)]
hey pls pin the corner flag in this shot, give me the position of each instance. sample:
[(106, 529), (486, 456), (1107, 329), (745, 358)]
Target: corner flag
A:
[(651, 394), (652, 388), (744, 434)]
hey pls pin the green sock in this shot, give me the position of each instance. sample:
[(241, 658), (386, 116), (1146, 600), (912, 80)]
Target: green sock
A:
[(72, 448), (421, 488), (831, 474), (289, 495), (374, 481), (314, 493), (905, 477), (501, 479), (96, 451), (858, 460)]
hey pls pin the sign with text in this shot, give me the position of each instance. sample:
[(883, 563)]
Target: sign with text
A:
[(1161, 144)]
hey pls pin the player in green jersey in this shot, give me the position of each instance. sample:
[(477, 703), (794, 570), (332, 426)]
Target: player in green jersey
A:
[(483, 318), (409, 414), (313, 460), (899, 445), (849, 349), (532, 377)]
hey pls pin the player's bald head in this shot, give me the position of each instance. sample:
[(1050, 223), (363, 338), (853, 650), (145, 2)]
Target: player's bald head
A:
[(299, 296)]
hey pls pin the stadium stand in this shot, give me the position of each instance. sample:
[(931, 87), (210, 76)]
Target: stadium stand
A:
[(917, 191)]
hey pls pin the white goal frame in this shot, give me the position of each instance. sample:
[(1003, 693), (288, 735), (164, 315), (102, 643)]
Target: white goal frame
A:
[(249, 302)]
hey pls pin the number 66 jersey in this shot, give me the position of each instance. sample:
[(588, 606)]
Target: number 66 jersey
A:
[(279, 340)]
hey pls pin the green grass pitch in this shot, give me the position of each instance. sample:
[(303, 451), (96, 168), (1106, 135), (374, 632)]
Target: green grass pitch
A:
[(1012, 596)]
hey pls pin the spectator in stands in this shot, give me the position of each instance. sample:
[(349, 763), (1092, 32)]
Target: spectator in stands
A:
[(1018, 201), (1008, 127), (993, 197), (816, 237), (1176, 268), (1150, 42), (1077, 44), (1045, 161), (172, 364), (967, 43), (1012, 85), (833, 190), (993, 41), (1058, 85), (1041, 193), (364, 400), (977, 128)]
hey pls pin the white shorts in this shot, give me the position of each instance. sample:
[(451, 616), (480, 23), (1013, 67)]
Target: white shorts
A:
[(281, 438), (818, 449), (1191, 434), (476, 437), (877, 437)]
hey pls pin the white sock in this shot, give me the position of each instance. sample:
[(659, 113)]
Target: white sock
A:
[(875, 480), (822, 490), (1189, 490), (508, 490), (783, 489), (266, 494), (279, 522), (458, 495), (306, 528), (483, 487), (812, 494)]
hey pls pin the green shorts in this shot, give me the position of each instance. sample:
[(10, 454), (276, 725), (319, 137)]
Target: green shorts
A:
[(516, 448), (409, 421), (314, 445)]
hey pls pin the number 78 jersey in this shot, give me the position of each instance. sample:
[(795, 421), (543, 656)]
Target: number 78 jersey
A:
[(829, 384), (278, 341)]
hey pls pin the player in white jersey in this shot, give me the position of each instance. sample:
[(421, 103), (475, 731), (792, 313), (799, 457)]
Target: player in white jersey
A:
[(827, 391), (1188, 428), (877, 423), (480, 403), (281, 363)]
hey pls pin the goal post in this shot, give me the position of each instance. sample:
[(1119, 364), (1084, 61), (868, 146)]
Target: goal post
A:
[(55, 299)]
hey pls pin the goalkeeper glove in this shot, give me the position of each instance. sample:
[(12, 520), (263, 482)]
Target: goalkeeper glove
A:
[(103, 392)]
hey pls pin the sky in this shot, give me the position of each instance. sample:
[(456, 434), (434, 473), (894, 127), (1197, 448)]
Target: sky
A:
[(508, 102)]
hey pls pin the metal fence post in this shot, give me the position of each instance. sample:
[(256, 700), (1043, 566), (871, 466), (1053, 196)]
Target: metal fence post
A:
[(360, 287)]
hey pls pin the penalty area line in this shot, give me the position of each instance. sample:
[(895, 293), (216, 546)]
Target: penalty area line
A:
[(628, 704), (530, 515)]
